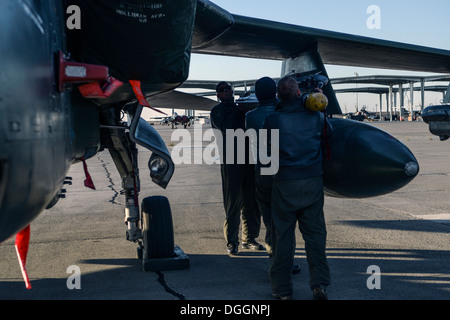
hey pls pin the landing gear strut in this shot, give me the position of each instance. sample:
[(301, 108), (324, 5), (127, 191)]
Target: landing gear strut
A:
[(151, 227)]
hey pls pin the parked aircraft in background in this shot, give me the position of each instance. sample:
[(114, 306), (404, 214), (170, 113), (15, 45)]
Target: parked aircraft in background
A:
[(438, 117), (175, 120)]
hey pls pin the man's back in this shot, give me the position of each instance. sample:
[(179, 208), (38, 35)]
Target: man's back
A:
[(300, 133), (255, 118)]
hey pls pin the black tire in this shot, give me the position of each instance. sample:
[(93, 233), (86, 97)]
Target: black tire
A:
[(157, 228)]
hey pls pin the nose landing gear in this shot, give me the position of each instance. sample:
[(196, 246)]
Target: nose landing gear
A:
[(158, 252)]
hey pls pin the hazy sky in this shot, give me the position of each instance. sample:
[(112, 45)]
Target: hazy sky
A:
[(418, 22)]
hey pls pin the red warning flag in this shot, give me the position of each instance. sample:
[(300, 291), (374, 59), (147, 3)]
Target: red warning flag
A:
[(88, 182), (21, 244), (136, 85)]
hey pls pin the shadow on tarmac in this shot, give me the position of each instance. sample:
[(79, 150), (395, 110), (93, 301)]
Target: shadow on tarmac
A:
[(399, 225), (404, 274)]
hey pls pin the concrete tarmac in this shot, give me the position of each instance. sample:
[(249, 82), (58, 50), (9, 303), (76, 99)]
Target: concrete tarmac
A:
[(403, 235)]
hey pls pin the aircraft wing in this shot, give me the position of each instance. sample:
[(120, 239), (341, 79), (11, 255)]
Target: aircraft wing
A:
[(221, 33), (181, 100)]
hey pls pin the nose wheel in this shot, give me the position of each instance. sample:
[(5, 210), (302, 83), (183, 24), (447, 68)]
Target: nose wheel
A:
[(158, 251)]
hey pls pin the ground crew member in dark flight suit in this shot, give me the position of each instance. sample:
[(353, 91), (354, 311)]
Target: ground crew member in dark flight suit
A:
[(266, 93), (238, 183), (298, 191)]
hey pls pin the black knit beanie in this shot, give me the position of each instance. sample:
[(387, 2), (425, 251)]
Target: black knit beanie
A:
[(265, 89)]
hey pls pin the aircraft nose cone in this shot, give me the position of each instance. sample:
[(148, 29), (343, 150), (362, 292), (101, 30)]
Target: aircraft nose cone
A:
[(412, 169)]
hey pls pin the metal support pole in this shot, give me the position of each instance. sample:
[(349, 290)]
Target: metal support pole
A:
[(411, 88), (387, 105), (400, 93), (422, 93), (381, 106), (391, 102), (395, 103)]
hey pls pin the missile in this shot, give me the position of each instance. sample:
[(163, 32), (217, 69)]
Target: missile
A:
[(363, 161)]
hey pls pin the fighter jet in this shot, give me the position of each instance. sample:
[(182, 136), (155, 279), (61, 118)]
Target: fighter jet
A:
[(176, 119), (438, 117), (69, 70)]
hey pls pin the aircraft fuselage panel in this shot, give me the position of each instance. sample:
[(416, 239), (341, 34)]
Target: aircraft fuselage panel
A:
[(34, 139)]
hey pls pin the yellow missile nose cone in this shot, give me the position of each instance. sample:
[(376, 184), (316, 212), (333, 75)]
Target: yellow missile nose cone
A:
[(316, 101)]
